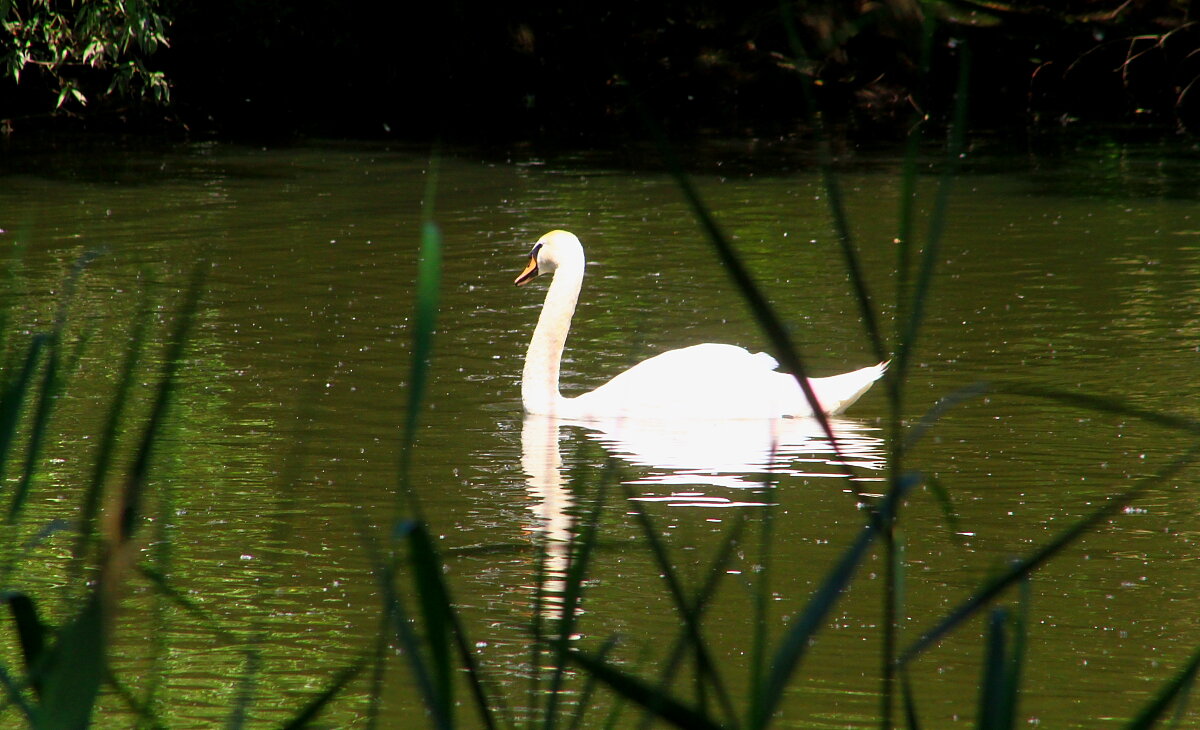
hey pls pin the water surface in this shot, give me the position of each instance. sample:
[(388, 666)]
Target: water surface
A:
[(1078, 270)]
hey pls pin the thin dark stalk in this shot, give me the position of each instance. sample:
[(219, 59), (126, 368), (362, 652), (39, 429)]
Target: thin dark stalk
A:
[(850, 257), (16, 696), (12, 401), (905, 235), (51, 386), (428, 293), (397, 620), (689, 638), (910, 703), (804, 627), (537, 623), (944, 404), (379, 656), (583, 545), (442, 621), (887, 674), (47, 395), (131, 497), (589, 686), (45, 532), (993, 710), (1099, 404), (1025, 566), (434, 607), (1175, 690), (929, 256), (317, 704), (164, 588), (147, 719), (1020, 645), (1096, 403), (613, 720), (706, 668), (244, 695), (762, 599), (910, 315), (106, 449), (833, 193)]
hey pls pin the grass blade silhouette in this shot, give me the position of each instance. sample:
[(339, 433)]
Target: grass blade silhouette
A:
[(444, 629), (31, 634), (129, 511), (106, 449), (694, 638), (48, 392), (581, 549), (805, 625), (12, 403), (72, 675), (313, 708), (666, 708), (997, 700), (1175, 690), (1025, 566)]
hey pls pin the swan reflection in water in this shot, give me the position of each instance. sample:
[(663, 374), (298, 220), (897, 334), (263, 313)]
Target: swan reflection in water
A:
[(690, 463)]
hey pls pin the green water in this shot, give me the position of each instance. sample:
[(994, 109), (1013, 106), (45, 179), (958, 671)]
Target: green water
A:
[(1076, 269)]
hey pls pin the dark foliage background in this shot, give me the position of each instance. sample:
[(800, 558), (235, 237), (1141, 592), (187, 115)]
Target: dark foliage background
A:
[(571, 71)]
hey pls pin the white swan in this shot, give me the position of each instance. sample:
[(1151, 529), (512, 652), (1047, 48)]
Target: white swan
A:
[(702, 381)]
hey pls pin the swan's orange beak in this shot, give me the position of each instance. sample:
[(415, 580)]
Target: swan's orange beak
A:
[(531, 270)]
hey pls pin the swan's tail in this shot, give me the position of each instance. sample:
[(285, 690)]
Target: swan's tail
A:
[(838, 392)]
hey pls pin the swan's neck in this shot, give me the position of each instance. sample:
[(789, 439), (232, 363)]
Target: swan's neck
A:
[(539, 381)]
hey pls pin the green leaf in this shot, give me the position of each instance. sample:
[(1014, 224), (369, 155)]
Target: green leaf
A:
[(12, 401), (75, 668), (429, 278), (996, 700), (1177, 687), (664, 707), (429, 274), (436, 610), (31, 632), (805, 626)]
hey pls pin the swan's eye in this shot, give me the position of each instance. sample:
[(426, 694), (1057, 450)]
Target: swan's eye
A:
[(536, 247)]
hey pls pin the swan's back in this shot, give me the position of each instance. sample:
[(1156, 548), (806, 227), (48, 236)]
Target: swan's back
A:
[(714, 381)]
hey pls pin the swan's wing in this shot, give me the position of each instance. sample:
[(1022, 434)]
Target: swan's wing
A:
[(708, 380), (707, 364)]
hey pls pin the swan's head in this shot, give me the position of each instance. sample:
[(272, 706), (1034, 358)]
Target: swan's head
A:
[(555, 249)]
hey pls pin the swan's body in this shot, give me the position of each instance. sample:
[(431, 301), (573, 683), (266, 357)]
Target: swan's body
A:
[(702, 381)]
